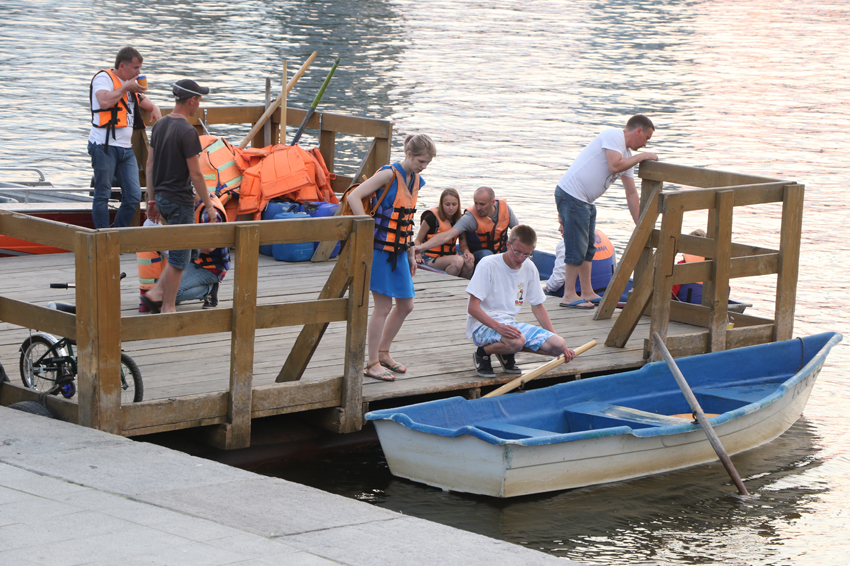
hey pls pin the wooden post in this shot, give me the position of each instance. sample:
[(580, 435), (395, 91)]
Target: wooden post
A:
[(98, 330), (648, 191), (724, 201), (283, 106), (355, 331), (267, 127), (327, 144), (789, 261), (237, 433), (665, 258)]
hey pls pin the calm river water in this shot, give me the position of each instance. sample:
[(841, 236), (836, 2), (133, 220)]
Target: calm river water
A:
[(511, 91)]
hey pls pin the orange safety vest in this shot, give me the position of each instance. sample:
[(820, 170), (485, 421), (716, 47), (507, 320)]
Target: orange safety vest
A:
[(218, 164), (394, 221), (150, 268), (115, 116), (449, 248), (490, 236)]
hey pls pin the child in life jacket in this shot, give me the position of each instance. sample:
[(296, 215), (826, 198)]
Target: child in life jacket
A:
[(445, 257), (393, 262)]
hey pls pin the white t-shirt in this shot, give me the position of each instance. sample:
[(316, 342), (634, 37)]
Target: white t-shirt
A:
[(123, 136), (503, 290), (588, 178), (559, 272)]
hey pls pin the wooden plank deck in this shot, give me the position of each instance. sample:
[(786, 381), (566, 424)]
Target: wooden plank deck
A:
[(432, 342)]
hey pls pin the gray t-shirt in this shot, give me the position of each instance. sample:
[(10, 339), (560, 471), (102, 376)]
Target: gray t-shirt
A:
[(173, 141), (469, 223)]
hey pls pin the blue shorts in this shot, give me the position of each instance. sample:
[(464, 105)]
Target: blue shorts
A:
[(579, 220), (534, 335), (173, 215)]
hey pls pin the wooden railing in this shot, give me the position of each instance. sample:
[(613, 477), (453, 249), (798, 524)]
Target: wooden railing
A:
[(651, 256), (99, 328)]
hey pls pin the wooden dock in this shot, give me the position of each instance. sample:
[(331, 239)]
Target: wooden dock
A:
[(432, 342)]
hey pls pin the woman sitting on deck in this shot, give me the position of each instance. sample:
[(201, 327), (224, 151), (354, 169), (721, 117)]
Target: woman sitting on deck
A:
[(393, 263), (445, 257)]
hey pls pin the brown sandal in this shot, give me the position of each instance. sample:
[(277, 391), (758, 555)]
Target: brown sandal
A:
[(394, 366), (383, 376)]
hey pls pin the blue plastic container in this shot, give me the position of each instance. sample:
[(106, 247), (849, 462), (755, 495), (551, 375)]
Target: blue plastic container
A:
[(273, 209), (318, 209), (301, 251)]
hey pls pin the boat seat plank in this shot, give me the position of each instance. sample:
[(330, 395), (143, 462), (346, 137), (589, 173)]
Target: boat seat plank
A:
[(624, 414), (747, 394), (510, 431)]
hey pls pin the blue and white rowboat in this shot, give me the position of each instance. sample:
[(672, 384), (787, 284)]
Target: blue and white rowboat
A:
[(603, 429)]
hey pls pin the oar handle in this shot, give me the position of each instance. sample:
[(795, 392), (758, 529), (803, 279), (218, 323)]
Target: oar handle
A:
[(271, 109), (321, 92), (700, 415), (312, 109), (526, 377)]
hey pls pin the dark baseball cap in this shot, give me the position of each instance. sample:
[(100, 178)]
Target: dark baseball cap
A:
[(187, 88)]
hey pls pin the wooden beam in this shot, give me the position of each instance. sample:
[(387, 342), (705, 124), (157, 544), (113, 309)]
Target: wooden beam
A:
[(39, 230), (38, 318), (174, 414), (61, 408), (695, 176), (698, 343), (310, 336), (634, 252), (297, 314), (638, 301), (242, 337), (698, 315), (720, 270), (665, 258), (282, 398), (355, 331), (98, 329), (789, 261)]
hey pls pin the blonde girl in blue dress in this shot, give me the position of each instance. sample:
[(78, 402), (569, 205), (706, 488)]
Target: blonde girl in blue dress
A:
[(393, 262)]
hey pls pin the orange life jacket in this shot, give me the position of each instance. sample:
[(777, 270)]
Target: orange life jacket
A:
[(283, 170), (117, 116), (449, 248), (489, 235), (150, 268), (218, 164), (394, 221)]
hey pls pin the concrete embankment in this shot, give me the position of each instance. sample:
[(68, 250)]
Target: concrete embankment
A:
[(71, 496)]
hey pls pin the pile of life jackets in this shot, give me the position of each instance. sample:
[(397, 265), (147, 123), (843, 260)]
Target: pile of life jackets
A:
[(245, 180)]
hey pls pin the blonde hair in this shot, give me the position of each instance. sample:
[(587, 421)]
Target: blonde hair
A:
[(524, 234), (420, 144), (457, 214)]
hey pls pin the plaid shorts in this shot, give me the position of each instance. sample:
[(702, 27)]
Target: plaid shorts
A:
[(534, 335)]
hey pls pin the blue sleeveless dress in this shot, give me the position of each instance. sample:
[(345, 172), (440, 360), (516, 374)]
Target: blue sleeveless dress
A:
[(399, 283)]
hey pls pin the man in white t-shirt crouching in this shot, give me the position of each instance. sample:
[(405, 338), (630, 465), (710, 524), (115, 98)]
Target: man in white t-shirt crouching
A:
[(606, 159), (500, 286)]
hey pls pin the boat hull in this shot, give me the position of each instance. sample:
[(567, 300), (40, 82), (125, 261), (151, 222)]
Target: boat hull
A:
[(485, 464)]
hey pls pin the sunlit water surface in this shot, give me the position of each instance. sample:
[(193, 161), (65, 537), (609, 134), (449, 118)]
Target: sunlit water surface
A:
[(511, 91)]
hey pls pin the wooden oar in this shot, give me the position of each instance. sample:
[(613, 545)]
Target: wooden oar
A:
[(315, 104), (271, 109), (537, 372), (700, 415)]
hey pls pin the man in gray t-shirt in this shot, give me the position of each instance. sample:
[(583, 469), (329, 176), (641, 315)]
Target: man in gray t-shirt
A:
[(486, 225), (173, 169)]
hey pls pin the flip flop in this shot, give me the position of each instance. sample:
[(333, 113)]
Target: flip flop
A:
[(578, 305), (153, 306), (595, 301), (383, 376), (398, 368)]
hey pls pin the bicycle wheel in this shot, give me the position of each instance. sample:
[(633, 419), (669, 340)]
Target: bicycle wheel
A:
[(40, 375), (132, 390)]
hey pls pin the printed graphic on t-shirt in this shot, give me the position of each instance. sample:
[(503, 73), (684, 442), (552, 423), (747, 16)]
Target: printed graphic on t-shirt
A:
[(519, 300)]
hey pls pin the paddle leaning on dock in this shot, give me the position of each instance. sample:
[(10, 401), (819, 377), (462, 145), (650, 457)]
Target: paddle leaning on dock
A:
[(605, 429)]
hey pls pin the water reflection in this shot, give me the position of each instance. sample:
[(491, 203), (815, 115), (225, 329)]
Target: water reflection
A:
[(511, 91)]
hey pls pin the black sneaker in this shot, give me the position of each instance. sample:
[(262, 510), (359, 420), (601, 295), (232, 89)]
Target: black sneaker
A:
[(482, 365), (211, 300), (508, 363)]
